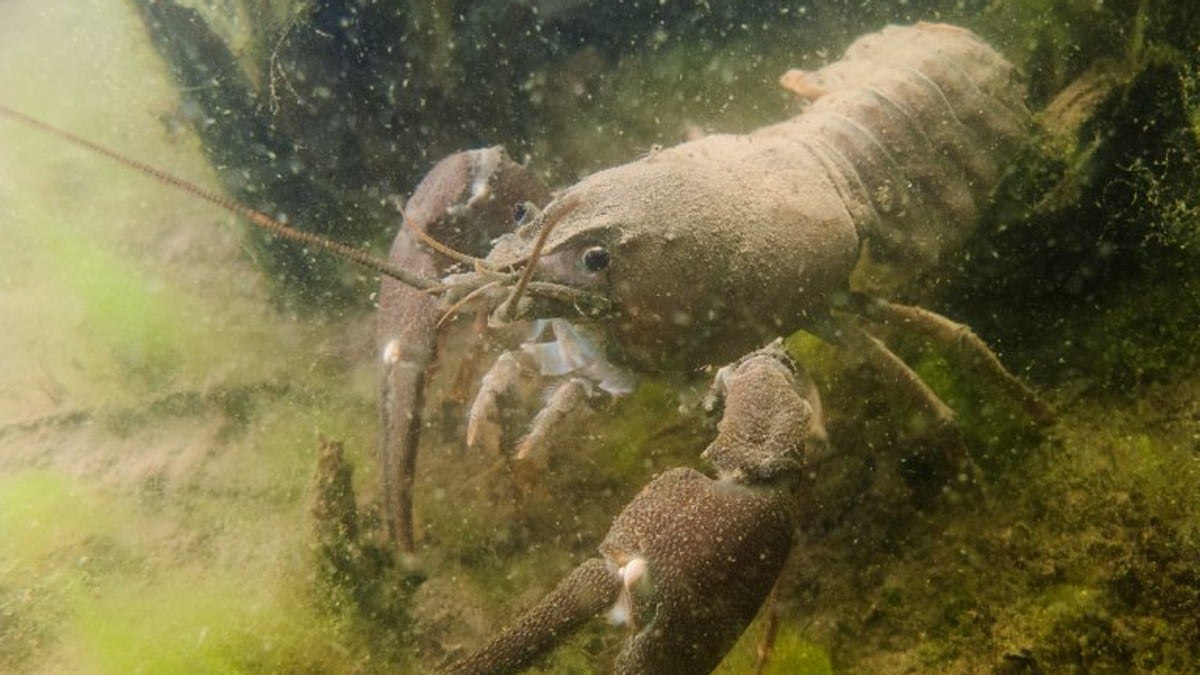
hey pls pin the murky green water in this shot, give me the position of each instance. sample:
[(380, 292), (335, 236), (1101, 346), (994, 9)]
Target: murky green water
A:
[(162, 397)]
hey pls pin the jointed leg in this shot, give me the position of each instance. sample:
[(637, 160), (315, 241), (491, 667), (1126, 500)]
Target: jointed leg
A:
[(883, 359), (590, 589), (949, 332)]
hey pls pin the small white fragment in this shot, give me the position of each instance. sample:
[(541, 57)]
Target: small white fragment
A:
[(633, 579), (619, 614), (487, 162), (632, 572), (391, 352)]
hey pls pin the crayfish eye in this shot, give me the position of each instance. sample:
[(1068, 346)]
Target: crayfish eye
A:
[(524, 213), (596, 259)]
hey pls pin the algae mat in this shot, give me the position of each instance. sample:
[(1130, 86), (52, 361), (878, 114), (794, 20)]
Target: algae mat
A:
[(158, 420)]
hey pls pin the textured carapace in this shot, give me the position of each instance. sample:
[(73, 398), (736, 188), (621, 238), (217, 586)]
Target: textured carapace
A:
[(715, 246)]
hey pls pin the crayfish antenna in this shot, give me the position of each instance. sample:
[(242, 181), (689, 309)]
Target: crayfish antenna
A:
[(479, 264), (454, 309), (509, 306), (254, 217)]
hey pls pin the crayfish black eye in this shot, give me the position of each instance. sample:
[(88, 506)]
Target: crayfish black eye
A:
[(596, 258), (524, 213)]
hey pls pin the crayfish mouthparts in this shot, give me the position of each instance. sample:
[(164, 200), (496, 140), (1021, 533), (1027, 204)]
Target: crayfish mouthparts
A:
[(544, 300), (493, 291)]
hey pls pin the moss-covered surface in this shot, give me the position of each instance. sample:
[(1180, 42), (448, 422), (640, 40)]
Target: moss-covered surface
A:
[(159, 418)]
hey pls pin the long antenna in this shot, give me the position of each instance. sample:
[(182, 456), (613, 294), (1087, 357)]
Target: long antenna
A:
[(258, 218), (510, 305)]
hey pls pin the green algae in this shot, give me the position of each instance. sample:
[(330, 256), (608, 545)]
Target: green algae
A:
[(790, 653), (172, 414), (84, 570), (143, 328), (42, 512)]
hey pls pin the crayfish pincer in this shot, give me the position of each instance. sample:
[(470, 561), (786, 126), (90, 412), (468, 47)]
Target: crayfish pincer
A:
[(690, 560), (464, 202)]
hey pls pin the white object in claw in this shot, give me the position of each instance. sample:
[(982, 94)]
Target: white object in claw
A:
[(633, 575), (391, 352)]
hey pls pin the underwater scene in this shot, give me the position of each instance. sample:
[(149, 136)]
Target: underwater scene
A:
[(665, 336)]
